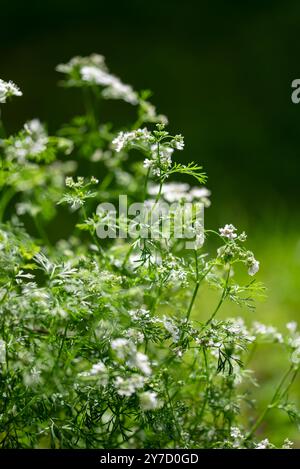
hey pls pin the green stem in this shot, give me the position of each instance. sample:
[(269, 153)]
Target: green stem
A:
[(89, 108), (157, 198), (273, 401), (171, 407), (146, 183), (5, 199), (62, 344), (251, 354), (128, 255), (94, 236), (160, 182), (152, 208), (2, 128), (206, 387), (41, 230), (221, 299), (197, 284)]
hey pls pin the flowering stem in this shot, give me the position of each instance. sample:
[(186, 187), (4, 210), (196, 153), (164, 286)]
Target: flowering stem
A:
[(94, 236), (221, 299), (172, 408), (157, 197), (160, 182), (274, 401), (196, 288), (206, 387), (146, 183), (153, 207), (89, 108)]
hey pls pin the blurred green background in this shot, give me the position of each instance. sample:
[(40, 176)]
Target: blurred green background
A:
[(222, 72)]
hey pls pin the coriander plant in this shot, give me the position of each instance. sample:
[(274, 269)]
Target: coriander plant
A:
[(102, 344)]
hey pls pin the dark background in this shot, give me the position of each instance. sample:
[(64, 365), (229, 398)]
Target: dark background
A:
[(220, 70)]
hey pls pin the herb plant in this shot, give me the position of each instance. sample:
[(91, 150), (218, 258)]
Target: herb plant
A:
[(101, 341)]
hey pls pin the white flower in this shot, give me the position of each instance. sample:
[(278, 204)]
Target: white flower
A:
[(237, 437), (140, 314), (135, 335), (171, 328), (254, 267), (149, 401), (176, 191), (264, 444), (114, 88), (78, 62), (8, 89), (31, 143), (123, 139), (228, 231), (127, 350), (122, 347), (35, 127), (118, 90), (98, 371), (32, 378), (92, 74), (292, 326), (269, 332), (178, 142), (235, 433), (147, 163), (172, 192), (150, 115), (287, 444), (162, 155), (128, 386), (294, 343), (141, 361), (200, 193), (295, 358), (92, 70), (98, 368), (238, 326)]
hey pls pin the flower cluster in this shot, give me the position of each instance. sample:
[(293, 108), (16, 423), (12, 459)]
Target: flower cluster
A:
[(158, 146), (232, 251), (131, 139), (79, 192), (30, 143), (294, 342), (8, 89), (91, 71), (179, 191), (127, 351)]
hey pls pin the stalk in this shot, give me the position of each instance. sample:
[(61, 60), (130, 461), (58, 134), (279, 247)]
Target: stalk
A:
[(197, 284), (275, 399), (5, 199), (221, 299)]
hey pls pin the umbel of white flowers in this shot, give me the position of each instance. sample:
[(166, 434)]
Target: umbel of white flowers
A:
[(92, 70), (8, 89), (229, 232)]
